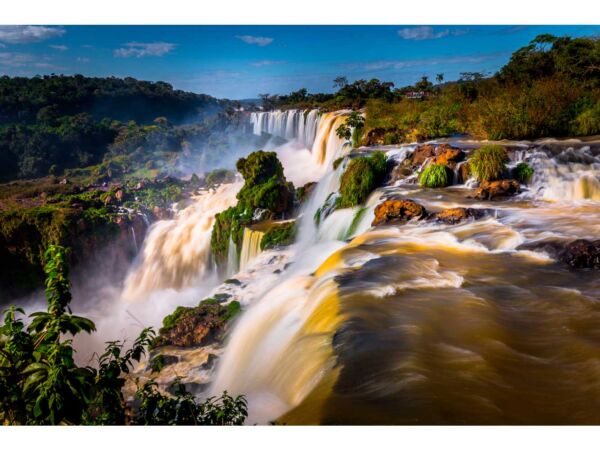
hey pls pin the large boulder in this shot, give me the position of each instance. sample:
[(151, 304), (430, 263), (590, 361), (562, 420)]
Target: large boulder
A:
[(490, 190), (582, 254), (201, 325), (448, 156), (453, 216), (396, 211)]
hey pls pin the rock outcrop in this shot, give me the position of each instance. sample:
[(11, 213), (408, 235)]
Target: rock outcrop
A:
[(453, 216), (582, 254), (396, 211), (490, 190), (204, 324)]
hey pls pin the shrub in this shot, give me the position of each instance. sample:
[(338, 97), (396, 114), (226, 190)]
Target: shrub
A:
[(488, 162), (362, 175), (523, 172), (436, 176)]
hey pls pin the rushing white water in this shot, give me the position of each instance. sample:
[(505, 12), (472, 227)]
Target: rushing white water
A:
[(250, 246), (176, 253), (292, 124)]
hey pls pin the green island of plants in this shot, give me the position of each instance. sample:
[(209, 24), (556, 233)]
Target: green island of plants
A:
[(488, 162), (436, 176), (362, 175)]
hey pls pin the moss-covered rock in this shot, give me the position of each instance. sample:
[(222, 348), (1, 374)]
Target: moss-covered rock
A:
[(265, 186), (279, 234), (194, 326), (265, 191), (219, 176), (362, 175)]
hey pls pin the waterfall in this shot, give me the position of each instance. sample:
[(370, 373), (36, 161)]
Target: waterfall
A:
[(232, 259), (250, 246), (292, 124), (133, 237), (176, 252)]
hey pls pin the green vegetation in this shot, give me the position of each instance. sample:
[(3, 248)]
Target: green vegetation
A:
[(35, 214), (352, 129), (523, 172), (550, 87), (205, 307), (488, 163), (40, 383), (219, 176), (362, 175), (182, 408), (265, 190), (436, 176), (280, 234)]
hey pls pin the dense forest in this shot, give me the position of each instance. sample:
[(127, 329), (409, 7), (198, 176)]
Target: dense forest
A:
[(550, 87), (52, 123)]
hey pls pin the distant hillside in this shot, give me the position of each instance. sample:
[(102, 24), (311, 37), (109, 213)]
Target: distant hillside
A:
[(53, 123), (27, 100)]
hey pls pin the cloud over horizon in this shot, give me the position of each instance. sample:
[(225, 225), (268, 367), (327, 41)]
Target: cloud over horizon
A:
[(261, 41), (25, 34), (141, 49), (426, 32)]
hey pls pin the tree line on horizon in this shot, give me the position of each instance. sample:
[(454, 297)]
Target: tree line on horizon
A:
[(550, 87)]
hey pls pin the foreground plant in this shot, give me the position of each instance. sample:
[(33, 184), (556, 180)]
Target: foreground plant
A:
[(435, 176), (488, 163), (40, 383)]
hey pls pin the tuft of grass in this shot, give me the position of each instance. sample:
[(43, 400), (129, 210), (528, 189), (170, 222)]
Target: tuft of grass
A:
[(435, 176), (523, 172), (488, 163)]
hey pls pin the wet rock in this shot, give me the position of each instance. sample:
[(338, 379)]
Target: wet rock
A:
[(161, 213), (261, 215), (400, 171), (582, 254), (303, 192), (210, 362), (202, 325), (448, 156), (397, 211), (464, 172), (422, 153), (490, 190), (453, 216)]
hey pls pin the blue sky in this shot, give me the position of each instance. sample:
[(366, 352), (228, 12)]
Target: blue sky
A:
[(243, 61)]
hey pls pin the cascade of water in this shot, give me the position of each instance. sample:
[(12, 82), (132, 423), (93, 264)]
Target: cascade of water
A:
[(232, 258), (292, 124), (572, 174), (250, 246), (176, 252)]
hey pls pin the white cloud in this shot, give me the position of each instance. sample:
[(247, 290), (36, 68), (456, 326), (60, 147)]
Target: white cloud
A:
[(24, 34), (140, 49), (261, 41), (427, 32), (11, 59), (386, 64), (83, 59), (266, 62), (60, 48)]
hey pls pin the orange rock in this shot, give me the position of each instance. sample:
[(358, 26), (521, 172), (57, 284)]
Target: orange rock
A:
[(453, 216), (397, 211), (489, 190)]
